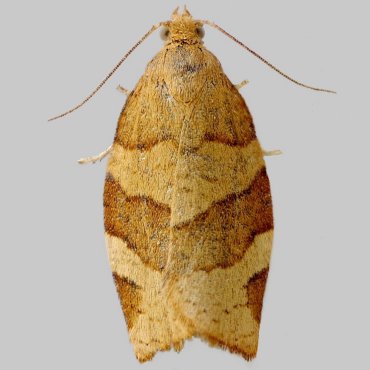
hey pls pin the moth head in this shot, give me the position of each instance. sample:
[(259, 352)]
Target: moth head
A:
[(182, 28)]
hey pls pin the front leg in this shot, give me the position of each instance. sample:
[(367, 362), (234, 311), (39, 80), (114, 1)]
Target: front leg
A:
[(241, 84), (123, 90)]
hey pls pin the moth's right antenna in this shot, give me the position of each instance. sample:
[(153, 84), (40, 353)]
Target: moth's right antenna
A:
[(214, 25), (110, 73)]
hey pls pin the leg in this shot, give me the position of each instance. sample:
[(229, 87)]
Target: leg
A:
[(96, 158), (241, 84), (271, 152), (123, 90)]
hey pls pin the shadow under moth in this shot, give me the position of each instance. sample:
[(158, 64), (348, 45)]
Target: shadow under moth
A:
[(187, 204)]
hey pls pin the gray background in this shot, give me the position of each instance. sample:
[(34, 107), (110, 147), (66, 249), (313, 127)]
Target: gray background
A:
[(59, 308)]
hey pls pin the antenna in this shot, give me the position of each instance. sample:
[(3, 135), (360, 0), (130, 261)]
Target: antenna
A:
[(109, 74), (214, 25)]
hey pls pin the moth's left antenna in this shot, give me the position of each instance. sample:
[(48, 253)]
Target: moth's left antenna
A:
[(109, 75), (214, 25)]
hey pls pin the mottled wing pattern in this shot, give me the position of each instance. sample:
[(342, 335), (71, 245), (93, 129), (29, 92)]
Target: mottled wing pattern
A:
[(188, 213)]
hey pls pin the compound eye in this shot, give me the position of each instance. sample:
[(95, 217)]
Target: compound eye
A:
[(164, 33), (200, 32)]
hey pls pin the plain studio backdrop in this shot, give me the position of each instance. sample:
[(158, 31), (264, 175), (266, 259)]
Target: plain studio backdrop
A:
[(59, 308)]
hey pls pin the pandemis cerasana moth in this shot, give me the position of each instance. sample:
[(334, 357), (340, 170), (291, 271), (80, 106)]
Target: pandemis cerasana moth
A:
[(187, 204)]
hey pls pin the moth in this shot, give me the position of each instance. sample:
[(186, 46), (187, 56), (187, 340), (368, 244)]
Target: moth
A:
[(187, 204)]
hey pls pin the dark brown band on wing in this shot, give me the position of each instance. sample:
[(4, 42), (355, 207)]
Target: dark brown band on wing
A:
[(130, 297), (220, 236), (139, 221), (255, 291)]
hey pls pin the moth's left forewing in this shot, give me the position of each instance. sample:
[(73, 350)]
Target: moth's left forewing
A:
[(221, 220)]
